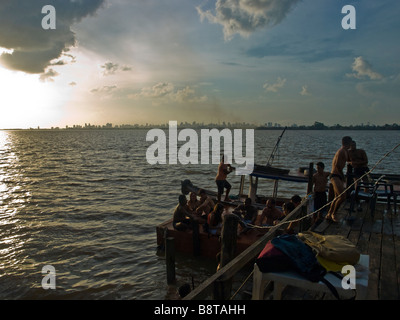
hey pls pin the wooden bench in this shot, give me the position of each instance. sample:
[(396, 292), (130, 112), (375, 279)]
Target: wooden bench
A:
[(282, 279)]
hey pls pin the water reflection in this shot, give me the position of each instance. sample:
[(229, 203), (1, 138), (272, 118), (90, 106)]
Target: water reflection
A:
[(4, 164), (12, 198)]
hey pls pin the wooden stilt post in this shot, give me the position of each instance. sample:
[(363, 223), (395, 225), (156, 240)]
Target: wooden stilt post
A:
[(170, 259), (253, 189), (310, 176), (305, 224), (222, 289), (275, 192), (196, 238), (241, 188)]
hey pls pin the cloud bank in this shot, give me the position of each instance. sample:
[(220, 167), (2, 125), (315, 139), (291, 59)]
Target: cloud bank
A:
[(246, 16), (31, 48)]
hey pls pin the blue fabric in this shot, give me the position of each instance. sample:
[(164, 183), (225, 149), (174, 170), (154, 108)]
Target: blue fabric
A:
[(301, 255)]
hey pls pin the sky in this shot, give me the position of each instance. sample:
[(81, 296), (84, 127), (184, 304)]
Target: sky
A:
[(154, 61)]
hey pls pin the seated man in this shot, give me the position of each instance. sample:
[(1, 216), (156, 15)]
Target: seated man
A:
[(296, 200), (182, 219), (206, 204), (270, 213), (193, 203), (288, 207), (214, 219), (246, 212)]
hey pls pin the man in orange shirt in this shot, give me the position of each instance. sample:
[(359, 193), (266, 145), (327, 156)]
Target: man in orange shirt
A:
[(223, 171)]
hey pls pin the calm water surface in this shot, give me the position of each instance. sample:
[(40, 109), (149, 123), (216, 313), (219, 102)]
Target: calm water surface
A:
[(87, 203)]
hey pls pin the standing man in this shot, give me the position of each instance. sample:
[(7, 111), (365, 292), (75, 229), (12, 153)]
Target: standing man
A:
[(337, 177), (223, 171), (359, 161), (320, 181)]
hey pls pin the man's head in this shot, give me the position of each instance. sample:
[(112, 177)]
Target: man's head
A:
[(270, 203), (182, 199), (296, 200), (346, 142), (320, 166), (288, 207), (202, 193)]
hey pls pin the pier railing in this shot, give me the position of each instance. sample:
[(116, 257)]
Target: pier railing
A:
[(213, 286)]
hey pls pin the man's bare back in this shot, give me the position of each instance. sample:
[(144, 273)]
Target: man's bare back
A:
[(339, 161), (337, 178)]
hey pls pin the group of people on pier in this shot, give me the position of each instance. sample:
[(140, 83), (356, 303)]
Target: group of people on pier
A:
[(205, 210)]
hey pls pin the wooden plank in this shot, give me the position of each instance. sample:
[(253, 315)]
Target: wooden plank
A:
[(222, 289), (361, 231), (396, 237), (341, 227), (396, 225), (397, 252), (356, 235), (388, 276), (323, 226), (375, 252)]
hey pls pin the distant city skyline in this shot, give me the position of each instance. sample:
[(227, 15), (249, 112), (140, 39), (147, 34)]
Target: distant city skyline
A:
[(210, 61), (266, 126)]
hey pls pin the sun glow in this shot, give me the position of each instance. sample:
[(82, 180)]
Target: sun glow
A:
[(25, 101)]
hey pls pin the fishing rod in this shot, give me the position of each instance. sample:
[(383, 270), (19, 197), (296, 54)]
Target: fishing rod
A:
[(271, 157)]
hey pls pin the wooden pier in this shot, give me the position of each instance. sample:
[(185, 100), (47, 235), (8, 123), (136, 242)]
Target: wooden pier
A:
[(376, 235)]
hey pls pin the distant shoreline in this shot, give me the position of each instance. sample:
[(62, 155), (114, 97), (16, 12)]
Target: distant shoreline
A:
[(317, 126)]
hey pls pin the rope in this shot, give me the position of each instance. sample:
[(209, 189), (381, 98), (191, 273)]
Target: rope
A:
[(329, 203), (237, 291), (310, 214)]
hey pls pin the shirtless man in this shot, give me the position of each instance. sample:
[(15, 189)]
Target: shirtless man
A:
[(206, 204), (270, 213), (223, 171), (182, 218), (247, 214), (337, 177), (320, 181), (359, 161)]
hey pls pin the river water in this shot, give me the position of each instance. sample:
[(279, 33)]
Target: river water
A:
[(87, 203)]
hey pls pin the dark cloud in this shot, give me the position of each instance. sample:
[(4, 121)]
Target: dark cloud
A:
[(48, 75), (111, 68), (34, 48), (246, 16)]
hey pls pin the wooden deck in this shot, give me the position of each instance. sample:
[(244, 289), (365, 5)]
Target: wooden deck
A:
[(379, 237)]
